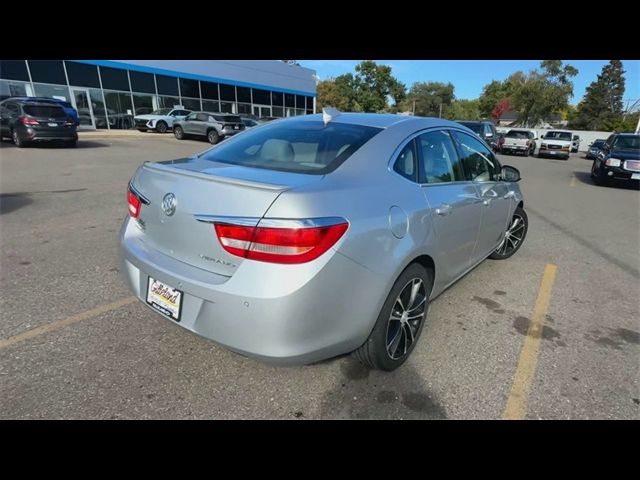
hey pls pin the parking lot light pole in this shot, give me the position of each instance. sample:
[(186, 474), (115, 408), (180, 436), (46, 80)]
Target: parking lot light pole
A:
[(638, 125)]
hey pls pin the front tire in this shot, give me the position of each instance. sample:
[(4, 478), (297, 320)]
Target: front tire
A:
[(514, 236), (213, 137), (161, 127), (178, 132), (400, 321), (596, 175)]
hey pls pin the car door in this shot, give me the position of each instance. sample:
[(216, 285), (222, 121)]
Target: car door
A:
[(455, 208), (482, 168), (189, 124)]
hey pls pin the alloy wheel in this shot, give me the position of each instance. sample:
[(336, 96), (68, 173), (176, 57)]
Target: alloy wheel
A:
[(513, 236), (407, 314)]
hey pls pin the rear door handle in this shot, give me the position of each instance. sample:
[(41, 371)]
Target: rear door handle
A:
[(444, 209)]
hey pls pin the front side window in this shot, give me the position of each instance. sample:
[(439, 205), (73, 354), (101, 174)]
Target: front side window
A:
[(478, 161), (192, 117), (630, 142), (438, 157), (309, 147), (406, 162)]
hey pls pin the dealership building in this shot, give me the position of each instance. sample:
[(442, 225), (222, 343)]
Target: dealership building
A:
[(109, 93)]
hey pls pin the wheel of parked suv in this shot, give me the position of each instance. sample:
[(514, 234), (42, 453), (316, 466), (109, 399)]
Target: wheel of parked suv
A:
[(161, 127), (213, 137), (514, 236), (16, 139), (596, 175), (400, 322), (178, 132)]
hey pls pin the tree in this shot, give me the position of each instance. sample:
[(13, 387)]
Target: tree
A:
[(373, 84), (601, 107), (338, 93), (428, 97), (501, 107), (541, 93), (463, 110), (492, 93)]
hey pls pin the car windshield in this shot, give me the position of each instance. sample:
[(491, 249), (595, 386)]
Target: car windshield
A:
[(50, 111), (517, 134), (162, 111), (558, 136), (627, 142), (301, 147), (476, 127)]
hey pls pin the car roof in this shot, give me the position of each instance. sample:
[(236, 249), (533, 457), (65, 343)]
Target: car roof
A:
[(627, 134), (379, 120)]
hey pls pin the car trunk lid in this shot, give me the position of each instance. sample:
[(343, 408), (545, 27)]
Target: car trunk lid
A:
[(203, 188)]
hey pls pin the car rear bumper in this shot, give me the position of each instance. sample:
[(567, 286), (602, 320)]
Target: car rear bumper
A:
[(281, 314), (553, 153), (32, 135)]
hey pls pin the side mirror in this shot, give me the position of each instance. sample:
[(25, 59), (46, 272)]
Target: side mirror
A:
[(510, 174)]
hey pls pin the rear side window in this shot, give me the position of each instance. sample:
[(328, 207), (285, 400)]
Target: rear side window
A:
[(439, 159), (406, 162), (44, 111), (302, 147)]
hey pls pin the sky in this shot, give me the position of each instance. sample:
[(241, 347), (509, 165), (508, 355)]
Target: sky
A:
[(469, 76)]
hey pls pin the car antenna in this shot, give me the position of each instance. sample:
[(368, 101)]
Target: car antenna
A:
[(329, 114)]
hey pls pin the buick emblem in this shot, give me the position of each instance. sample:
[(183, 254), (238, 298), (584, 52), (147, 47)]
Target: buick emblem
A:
[(169, 203)]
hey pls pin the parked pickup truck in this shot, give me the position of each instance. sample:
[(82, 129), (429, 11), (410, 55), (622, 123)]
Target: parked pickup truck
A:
[(519, 141), (556, 143)]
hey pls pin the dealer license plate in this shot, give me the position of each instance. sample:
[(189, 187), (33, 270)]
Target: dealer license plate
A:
[(164, 298)]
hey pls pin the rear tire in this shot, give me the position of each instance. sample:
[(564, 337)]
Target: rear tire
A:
[(18, 142), (395, 333), (161, 127), (178, 132), (213, 137), (514, 237)]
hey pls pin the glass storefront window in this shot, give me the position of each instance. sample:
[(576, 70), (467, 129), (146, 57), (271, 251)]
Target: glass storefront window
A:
[(192, 104), (144, 104), (15, 89), (277, 98), (244, 94), (227, 92), (114, 78), (119, 109), (310, 103), (142, 82), (97, 104), (301, 101), (189, 88), (82, 74), (244, 108), (226, 107), (277, 111), (291, 112), (168, 102), (209, 90), (14, 70), (55, 91), (261, 97), (209, 106), (289, 100), (167, 85), (47, 71)]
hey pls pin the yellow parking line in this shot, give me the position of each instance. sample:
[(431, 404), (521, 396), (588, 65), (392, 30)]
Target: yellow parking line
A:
[(572, 183), (58, 324), (516, 408)]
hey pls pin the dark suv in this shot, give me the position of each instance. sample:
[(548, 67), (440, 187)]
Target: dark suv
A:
[(27, 121), (485, 130), (618, 159)]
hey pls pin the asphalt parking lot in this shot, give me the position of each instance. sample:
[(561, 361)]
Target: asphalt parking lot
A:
[(73, 344)]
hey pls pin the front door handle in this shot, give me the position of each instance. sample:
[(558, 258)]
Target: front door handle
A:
[(486, 202), (509, 194), (444, 209)]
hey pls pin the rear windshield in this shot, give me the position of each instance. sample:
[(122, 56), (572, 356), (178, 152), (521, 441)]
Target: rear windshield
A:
[(476, 127), (597, 143), (627, 142), (301, 147), (558, 135), (50, 111), (227, 118), (517, 134)]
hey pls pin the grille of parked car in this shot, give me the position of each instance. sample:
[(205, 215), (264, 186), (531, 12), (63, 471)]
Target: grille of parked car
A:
[(141, 121), (554, 147), (632, 165)]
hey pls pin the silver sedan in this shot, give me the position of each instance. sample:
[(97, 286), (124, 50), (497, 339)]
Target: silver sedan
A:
[(315, 236)]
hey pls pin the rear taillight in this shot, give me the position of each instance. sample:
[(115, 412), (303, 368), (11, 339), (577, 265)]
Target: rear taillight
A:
[(278, 244), (69, 122), (134, 204), (28, 121)]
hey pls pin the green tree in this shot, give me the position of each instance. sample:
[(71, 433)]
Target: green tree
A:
[(428, 97), (463, 110), (492, 94), (336, 92), (373, 85), (601, 107), (540, 93)]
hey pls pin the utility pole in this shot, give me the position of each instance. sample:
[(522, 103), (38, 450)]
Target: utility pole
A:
[(638, 126), (414, 107), (440, 111)]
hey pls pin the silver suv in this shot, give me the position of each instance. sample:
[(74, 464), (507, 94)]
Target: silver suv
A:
[(212, 126)]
